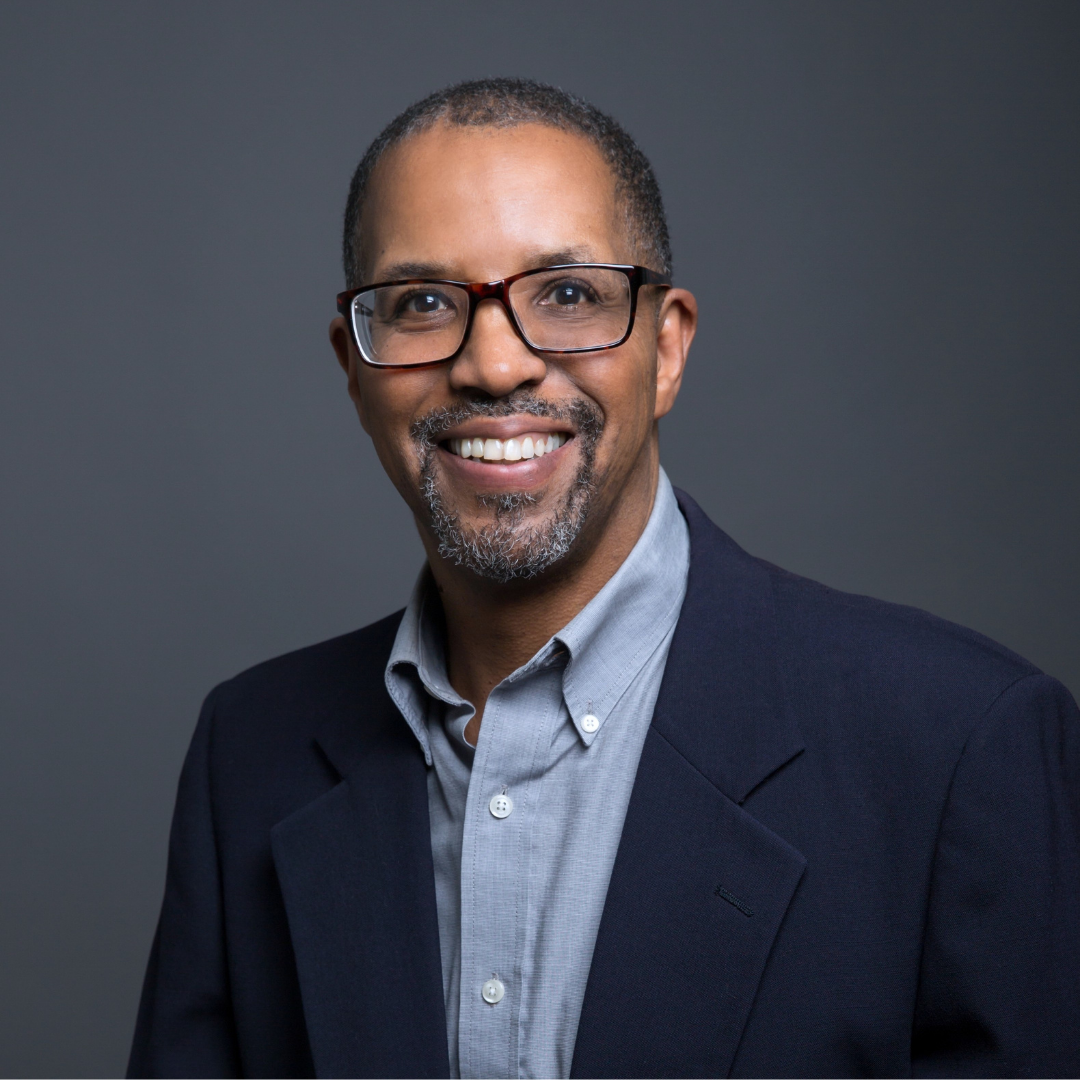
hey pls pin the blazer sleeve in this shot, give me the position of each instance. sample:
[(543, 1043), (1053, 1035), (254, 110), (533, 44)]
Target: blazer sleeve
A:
[(185, 1025), (999, 986)]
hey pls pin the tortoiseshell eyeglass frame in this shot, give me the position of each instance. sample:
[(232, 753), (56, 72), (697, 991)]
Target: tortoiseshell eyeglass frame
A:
[(637, 276)]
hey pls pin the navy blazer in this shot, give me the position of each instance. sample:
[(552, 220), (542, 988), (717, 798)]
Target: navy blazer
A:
[(851, 850)]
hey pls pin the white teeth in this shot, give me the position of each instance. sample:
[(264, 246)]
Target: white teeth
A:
[(515, 449)]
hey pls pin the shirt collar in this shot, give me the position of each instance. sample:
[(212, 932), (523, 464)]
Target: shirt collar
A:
[(418, 661), (603, 647), (612, 637)]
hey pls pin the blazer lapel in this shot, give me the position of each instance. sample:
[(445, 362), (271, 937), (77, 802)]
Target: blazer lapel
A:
[(699, 887), (356, 875)]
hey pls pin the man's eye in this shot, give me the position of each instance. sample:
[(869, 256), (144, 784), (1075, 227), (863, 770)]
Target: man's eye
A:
[(424, 303), (569, 294)]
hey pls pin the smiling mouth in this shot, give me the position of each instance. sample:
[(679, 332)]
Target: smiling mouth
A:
[(519, 448)]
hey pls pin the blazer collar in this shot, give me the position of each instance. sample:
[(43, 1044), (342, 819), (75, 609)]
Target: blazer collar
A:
[(699, 888), (356, 875), (723, 703)]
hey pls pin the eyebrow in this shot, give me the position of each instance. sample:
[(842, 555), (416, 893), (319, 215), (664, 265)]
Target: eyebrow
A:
[(407, 271)]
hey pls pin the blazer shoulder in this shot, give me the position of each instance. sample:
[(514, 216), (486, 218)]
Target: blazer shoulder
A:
[(321, 669), (282, 701), (271, 737), (892, 651), (868, 620), (840, 653)]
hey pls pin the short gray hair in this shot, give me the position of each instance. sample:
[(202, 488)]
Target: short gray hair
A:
[(506, 103)]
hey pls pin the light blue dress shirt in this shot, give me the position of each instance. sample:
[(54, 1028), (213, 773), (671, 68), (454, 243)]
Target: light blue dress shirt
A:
[(520, 894)]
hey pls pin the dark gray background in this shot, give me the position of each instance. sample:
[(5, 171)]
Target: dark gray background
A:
[(877, 205)]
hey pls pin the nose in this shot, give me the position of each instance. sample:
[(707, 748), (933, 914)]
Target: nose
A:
[(495, 360)]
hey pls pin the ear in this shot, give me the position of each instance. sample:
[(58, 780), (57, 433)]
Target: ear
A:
[(676, 325), (341, 340)]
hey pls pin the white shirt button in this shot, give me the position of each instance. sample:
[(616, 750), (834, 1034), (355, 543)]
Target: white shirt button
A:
[(501, 806), (492, 991), (589, 723)]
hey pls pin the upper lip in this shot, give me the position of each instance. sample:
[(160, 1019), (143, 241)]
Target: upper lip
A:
[(504, 427)]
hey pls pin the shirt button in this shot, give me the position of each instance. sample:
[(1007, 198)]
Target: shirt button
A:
[(492, 991), (589, 723), (501, 806)]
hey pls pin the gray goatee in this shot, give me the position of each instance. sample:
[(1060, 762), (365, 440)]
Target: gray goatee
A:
[(507, 549)]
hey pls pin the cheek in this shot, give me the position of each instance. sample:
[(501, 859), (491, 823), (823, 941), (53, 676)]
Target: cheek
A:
[(627, 399), (386, 415)]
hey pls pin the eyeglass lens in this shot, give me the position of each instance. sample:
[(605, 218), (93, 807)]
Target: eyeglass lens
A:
[(564, 309)]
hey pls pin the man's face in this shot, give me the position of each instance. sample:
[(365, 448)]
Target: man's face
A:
[(470, 204)]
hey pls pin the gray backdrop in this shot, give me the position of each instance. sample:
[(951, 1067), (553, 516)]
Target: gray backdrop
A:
[(876, 203)]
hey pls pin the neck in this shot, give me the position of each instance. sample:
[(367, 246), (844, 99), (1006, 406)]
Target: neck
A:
[(492, 629)]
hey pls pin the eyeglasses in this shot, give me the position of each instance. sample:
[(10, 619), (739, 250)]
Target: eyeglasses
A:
[(579, 307)]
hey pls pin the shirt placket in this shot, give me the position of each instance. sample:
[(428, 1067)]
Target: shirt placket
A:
[(502, 804)]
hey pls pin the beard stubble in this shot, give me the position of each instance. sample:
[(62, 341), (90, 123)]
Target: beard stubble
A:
[(507, 548)]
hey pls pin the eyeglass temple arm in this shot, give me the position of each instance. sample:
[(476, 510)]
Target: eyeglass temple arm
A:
[(652, 277)]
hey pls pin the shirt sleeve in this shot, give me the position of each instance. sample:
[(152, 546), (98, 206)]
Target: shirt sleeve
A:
[(185, 1024), (999, 987)]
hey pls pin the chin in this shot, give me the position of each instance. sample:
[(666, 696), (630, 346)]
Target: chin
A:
[(507, 535)]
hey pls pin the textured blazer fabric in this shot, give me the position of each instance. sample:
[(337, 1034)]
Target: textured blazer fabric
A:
[(851, 850)]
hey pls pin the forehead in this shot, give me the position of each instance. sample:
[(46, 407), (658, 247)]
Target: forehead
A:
[(483, 203)]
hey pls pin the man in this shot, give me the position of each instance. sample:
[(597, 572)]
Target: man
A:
[(611, 797)]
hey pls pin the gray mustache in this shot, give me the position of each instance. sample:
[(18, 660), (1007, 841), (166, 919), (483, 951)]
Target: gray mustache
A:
[(584, 417)]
